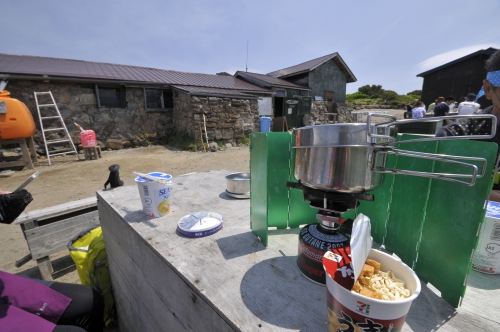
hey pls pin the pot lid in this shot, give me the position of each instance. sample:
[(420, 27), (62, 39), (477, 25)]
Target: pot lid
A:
[(200, 224)]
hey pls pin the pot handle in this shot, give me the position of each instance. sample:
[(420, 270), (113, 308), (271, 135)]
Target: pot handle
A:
[(388, 126), (372, 129), (436, 157)]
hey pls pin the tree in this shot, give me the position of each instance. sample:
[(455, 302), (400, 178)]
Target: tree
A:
[(415, 92), (372, 91), (389, 95)]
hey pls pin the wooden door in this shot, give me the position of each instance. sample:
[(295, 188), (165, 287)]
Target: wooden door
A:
[(330, 99)]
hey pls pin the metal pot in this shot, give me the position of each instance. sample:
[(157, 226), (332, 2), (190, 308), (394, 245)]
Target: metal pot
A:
[(351, 157), (238, 185)]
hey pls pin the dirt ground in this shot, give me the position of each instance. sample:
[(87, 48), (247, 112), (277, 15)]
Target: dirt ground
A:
[(69, 179)]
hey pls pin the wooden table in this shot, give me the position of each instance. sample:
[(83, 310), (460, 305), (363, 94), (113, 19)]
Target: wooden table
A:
[(229, 281)]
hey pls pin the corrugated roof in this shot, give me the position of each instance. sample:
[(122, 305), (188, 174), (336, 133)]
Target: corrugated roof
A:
[(488, 51), (202, 91), (79, 69), (269, 80), (313, 64)]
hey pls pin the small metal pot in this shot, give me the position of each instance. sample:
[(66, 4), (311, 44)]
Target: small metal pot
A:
[(350, 157), (238, 185)]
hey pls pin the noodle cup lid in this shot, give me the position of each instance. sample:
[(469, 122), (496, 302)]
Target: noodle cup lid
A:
[(158, 175), (200, 224), (337, 264)]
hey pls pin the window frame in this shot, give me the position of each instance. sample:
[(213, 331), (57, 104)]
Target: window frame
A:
[(164, 107), (122, 101)]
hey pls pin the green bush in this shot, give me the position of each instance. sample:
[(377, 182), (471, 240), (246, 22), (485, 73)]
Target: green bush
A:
[(244, 140), (356, 95)]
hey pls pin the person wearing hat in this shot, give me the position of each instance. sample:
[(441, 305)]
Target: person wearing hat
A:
[(468, 106)]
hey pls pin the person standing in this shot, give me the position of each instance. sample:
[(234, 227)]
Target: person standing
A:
[(443, 109), (468, 106), (432, 106), (418, 112)]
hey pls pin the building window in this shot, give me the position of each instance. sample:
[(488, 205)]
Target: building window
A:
[(110, 96), (158, 98)]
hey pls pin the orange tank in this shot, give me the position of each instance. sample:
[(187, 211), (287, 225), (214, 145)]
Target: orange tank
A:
[(16, 120)]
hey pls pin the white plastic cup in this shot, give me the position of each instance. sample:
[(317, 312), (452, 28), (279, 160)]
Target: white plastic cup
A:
[(349, 308), (155, 196)]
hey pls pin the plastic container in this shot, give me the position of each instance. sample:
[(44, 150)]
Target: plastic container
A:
[(16, 120), (155, 196), (265, 124), (88, 138), (357, 311), (487, 255)]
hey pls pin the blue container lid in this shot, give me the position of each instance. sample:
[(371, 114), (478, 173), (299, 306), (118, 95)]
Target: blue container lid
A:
[(158, 175)]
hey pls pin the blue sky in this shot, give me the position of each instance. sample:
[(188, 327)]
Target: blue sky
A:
[(383, 42)]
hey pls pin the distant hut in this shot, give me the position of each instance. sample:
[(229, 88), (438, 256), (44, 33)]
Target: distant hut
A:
[(457, 78)]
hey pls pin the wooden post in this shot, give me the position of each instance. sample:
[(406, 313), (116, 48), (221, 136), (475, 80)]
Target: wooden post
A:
[(201, 136), (205, 127)]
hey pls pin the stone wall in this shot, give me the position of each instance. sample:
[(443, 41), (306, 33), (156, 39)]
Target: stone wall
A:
[(115, 128), (226, 119), (318, 114)]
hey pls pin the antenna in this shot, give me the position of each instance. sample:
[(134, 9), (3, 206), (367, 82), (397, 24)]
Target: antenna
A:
[(247, 57)]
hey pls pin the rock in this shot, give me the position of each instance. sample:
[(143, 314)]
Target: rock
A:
[(114, 144), (7, 173), (229, 145), (10, 156), (213, 146)]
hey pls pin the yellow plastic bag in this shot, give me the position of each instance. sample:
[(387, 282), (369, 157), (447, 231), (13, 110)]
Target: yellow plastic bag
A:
[(78, 250), (89, 254)]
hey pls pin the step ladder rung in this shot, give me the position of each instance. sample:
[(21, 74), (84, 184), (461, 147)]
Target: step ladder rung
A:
[(53, 129), (54, 141), (68, 147)]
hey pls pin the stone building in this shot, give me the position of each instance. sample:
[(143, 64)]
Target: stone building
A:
[(309, 93), (129, 106)]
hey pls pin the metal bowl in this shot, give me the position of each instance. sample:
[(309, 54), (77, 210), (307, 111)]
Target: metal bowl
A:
[(238, 185)]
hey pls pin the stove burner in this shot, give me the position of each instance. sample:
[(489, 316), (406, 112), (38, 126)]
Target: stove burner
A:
[(329, 200)]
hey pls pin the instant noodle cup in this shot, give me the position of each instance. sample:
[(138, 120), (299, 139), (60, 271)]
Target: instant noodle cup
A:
[(155, 196), (349, 311)]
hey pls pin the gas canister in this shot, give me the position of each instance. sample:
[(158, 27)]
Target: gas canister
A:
[(314, 241)]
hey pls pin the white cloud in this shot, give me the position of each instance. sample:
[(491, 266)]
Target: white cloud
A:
[(446, 57)]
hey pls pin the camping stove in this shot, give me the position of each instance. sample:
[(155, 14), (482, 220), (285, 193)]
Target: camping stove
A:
[(331, 232)]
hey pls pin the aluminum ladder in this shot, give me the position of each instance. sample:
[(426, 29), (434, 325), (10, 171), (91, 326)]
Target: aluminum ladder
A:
[(59, 129)]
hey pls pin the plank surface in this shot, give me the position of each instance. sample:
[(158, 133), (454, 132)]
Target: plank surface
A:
[(246, 286), (57, 210), (48, 239)]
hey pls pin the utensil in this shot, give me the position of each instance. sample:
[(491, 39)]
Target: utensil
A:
[(238, 185), (27, 181)]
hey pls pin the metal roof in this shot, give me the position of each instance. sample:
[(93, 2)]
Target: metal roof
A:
[(313, 64), (488, 51), (202, 91), (16, 66), (269, 81)]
